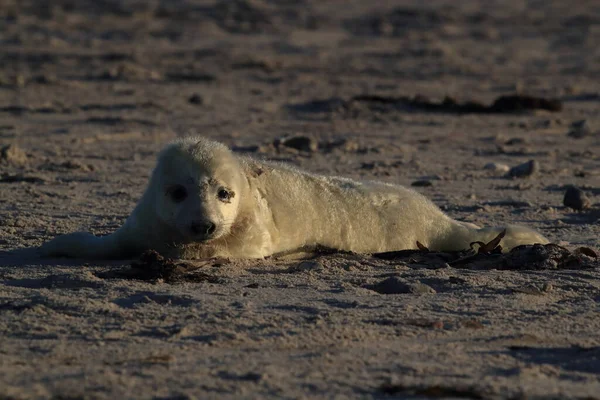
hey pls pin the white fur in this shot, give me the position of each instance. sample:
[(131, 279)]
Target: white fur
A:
[(275, 208)]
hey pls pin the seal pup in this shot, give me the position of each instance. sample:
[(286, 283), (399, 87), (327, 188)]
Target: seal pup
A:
[(204, 201)]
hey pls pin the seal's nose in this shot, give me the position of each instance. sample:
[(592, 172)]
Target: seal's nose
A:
[(203, 228)]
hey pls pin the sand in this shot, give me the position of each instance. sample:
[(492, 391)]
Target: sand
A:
[(90, 91)]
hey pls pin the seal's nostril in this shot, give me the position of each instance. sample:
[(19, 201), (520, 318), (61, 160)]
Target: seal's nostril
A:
[(203, 228), (210, 228)]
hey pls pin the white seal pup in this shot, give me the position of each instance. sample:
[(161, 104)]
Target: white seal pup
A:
[(204, 201)]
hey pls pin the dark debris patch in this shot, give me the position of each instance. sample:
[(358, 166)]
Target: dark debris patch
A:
[(526, 257), (112, 121), (334, 104), (19, 110), (155, 268), (17, 178), (297, 142), (188, 76), (422, 183), (502, 105), (16, 306), (435, 391), (509, 104), (572, 358)]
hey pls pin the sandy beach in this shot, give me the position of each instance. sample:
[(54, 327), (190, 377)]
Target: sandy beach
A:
[(444, 96)]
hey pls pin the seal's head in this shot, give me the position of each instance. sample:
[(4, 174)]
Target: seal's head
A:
[(198, 186)]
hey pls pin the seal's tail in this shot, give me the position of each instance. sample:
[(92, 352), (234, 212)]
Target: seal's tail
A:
[(515, 236)]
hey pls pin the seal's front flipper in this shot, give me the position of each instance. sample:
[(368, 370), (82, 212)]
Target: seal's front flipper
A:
[(84, 245)]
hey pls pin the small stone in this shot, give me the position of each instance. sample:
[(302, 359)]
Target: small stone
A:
[(196, 99), (394, 285), (437, 324), (308, 266), (421, 288), (367, 165), (547, 287), (580, 129), (12, 154), (524, 170), (497, 167), (576, 199), (391, 285), (302, 143)]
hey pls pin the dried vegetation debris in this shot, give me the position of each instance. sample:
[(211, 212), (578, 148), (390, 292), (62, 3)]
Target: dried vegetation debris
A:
[(18, 178), (435, 391), (489, 256), (508, 104), (504, 104), (153, 267)]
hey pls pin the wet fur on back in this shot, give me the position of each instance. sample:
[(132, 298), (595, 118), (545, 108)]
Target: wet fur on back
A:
[(204, 201)]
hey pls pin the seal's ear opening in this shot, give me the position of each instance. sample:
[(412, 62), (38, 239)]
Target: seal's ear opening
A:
[(256, 171)]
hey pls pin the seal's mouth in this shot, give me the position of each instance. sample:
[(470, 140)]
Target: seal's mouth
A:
[(206, 236), (203, 239)]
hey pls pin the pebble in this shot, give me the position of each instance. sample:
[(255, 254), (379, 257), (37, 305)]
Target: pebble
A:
[(421, 288), (576, 199), (580, 129), (13, 154), (497, 167), (524, 170), (395, 285), (196, 99), (309, 266)]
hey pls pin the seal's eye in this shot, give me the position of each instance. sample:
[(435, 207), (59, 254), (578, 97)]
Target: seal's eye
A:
[(225, 195), (178, 193)]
